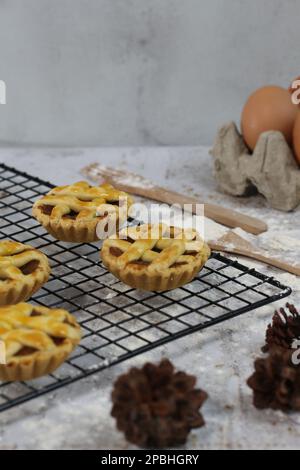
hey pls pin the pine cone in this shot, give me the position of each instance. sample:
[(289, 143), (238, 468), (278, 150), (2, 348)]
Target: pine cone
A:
[(285, 328), (156, 406), (276, 381)]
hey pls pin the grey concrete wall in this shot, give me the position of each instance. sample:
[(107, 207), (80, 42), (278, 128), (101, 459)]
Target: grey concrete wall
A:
[(131, 72)]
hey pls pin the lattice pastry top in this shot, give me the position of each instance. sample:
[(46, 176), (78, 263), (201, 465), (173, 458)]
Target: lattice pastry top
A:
[(18, 260), (28, 330), (23, 270), (71, 213), (152, 253), (81, 201)]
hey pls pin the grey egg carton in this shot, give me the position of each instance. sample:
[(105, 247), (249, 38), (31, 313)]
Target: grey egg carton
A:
[(270, 170)]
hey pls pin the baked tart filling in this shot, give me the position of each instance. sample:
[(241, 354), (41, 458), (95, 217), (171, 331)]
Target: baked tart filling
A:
[(37, 340), (72, 213), (23, 270), (155, 258)]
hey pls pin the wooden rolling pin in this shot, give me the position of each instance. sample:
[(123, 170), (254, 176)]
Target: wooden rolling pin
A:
[(140, 186)]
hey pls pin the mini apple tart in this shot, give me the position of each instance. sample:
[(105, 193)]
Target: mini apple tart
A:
[(81, 213), (155, 257), (37, 340), (23, 270)]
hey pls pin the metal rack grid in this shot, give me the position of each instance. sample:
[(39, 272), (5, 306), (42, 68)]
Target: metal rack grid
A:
[(118, 322)]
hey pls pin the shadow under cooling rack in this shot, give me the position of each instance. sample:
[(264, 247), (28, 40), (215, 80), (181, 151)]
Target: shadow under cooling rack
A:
[(118, 322)]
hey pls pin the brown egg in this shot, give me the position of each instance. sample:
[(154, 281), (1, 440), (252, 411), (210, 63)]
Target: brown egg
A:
[(269, 109), (296, 138)]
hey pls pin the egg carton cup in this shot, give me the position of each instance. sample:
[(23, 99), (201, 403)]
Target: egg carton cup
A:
[(271, 169)]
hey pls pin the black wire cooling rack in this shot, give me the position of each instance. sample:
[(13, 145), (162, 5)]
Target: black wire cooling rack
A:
[(118, 322)]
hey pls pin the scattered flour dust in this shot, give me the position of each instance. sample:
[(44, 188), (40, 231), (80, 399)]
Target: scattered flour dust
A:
[(283, 242), (289, 280), (97, 172), (212, 230)]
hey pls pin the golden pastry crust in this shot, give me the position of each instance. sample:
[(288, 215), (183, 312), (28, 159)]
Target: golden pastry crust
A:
[(23, 270), (37, 340), (72, 213), (168, 259)]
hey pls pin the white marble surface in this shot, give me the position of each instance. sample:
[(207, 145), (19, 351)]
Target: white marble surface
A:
[(221, 357)]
